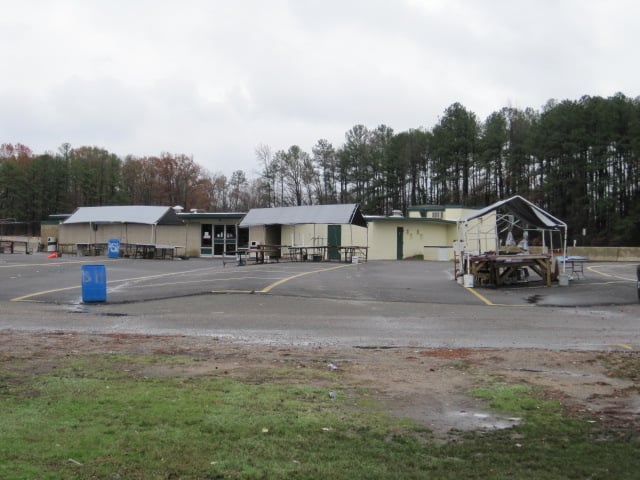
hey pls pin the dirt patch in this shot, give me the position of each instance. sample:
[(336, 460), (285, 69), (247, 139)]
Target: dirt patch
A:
[(430, 386)]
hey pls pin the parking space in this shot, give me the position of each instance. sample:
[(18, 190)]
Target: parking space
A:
[(601, 284), (36, 278), (39, 279), (307, 303)]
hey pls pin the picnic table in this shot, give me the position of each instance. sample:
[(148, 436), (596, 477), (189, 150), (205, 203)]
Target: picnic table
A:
[(303, 253), (319, 253), (352, 252), (9, 246), (90, 249), (151, 250), (131, 250), (260, 253)]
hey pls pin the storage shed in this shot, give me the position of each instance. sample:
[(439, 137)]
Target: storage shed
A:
[(327, 229), (89, 229)]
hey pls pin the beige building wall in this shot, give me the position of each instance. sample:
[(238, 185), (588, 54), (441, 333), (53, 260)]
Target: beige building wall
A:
[(304, 235), (265, 235), (192, 239), (452, 214), (448, 213), (433, 240), (479, 235), (257, 234), (71, 235), (48, 230), (318, 234), (438, 244), (382, 240), (75, 233), (354, 235), (380, 237), (174, 235)]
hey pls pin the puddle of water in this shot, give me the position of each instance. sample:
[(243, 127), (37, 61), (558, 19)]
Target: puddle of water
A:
[(465, 420), (534, 299)]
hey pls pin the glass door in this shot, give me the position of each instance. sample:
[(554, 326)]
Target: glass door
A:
[(206, 240), (224, 240), (218, 239)]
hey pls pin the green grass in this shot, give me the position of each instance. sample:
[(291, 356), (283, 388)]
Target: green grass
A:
[(110, 416), (622, 366)]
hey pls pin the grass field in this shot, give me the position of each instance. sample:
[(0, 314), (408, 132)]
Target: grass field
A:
[(114, 416)]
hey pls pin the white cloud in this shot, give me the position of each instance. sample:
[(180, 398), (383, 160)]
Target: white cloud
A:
[(214, 79)]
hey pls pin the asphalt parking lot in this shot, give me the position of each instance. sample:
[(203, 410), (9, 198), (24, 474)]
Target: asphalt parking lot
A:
[(378, 302), (37, 278)]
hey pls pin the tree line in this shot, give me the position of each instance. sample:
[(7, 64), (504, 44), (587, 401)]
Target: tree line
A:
[(578, 159), (32, 187)]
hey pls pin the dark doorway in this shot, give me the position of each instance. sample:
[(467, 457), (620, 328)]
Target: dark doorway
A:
[(334, 239)]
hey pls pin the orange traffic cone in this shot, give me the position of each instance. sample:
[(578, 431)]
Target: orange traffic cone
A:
[(53, 255)]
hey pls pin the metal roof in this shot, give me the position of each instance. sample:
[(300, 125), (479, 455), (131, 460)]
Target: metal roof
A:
[(308, 214), (142, 214), (211, 215), (523, 209), (422, 220)]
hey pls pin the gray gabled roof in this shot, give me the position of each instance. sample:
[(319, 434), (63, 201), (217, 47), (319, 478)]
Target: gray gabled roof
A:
[(142, 214), (523, 209), (309, 214)]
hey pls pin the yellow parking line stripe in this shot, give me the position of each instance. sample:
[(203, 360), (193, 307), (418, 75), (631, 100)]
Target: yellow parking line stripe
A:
[(146, 277), (480, 296), (44, 292), (268, 288), (488, 302)]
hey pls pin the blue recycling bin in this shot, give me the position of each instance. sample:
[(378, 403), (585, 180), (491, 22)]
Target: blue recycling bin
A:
[(94, 283), (114, 247)]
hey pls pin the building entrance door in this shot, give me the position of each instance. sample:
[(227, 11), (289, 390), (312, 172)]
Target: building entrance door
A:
[(206, 240), (218, 240), (334, 239), (400, 243)]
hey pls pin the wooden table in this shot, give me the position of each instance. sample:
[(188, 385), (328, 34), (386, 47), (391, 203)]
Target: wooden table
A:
[(492, 269)]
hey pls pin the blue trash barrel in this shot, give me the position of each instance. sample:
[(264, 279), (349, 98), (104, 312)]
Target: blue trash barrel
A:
[(114, 247), (94, 283)]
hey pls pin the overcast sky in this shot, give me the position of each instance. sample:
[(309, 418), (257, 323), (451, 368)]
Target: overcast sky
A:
[(214, 79)]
